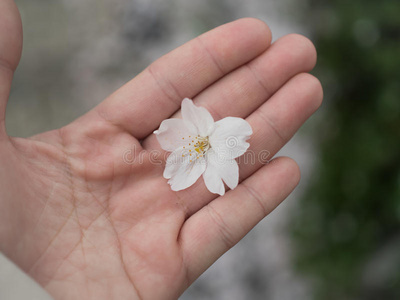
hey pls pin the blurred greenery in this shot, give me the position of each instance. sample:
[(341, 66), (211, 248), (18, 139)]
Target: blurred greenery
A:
[(346, 229)]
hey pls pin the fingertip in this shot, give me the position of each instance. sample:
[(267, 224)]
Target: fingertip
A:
[(309, 48), (316, 90), (304, 48), (241, 40), (288, 169), (312, 90), (259, 28)]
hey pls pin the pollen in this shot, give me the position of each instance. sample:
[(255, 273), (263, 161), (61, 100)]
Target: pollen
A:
[(202, 145)]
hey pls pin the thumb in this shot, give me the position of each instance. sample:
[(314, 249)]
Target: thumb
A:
[(10, 52)]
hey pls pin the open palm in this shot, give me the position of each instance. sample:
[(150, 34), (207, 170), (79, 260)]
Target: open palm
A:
[(85, 210)]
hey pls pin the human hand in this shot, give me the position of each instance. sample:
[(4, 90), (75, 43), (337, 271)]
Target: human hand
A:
[(87, 221)]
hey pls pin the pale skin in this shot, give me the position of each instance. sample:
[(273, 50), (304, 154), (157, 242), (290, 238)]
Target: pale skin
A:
[(85, 224)]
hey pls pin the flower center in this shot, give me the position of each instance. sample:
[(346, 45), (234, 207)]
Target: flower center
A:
[(202, 145), (196, 148)]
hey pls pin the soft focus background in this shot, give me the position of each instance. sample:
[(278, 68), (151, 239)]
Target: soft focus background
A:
[(338, 235)]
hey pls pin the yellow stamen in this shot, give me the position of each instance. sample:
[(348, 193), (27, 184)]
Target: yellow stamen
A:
[(202, 145)]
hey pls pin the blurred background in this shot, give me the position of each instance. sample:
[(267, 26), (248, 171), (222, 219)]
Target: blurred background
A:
[(338, 235)]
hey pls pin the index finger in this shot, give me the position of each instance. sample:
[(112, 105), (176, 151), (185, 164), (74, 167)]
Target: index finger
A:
[(156, 93)]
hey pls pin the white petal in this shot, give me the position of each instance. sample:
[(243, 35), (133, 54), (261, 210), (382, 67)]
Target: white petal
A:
[(229, 137), (174, 133), (213, 182), (182, 172), (199, 116), (173, 163), (220, 168)]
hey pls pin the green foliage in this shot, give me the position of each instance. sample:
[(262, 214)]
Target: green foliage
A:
[(347, 227)]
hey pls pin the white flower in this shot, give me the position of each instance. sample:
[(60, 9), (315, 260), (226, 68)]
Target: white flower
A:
[(201, 146)]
